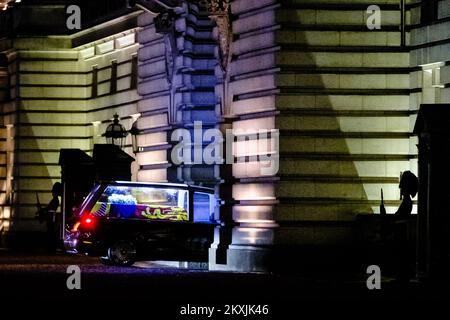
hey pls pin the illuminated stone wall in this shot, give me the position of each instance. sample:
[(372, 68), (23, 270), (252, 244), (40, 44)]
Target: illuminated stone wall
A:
[(345, 116), (8, 93), (66, 98), (154, 105), (177, 81), (430, 58), (252, 91), (344, 99)]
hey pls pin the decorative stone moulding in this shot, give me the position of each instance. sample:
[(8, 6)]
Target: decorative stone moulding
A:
[(220, 13), (125, 41), (118, 42), (104, 47), (164, 22)]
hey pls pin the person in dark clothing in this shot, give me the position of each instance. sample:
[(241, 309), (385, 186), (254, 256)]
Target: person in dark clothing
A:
[(49, 216), (408, 189), (404, 250)]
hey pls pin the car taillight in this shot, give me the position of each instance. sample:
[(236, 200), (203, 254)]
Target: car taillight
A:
[(88, 221)]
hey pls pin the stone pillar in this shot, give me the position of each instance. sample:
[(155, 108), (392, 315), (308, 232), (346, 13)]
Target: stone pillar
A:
[(433, 241), (246, 194)]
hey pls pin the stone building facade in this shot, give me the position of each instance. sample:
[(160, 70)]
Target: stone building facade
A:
[(342, 97)]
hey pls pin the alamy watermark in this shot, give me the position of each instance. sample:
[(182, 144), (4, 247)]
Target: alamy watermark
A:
[(198, 146), (73, 282), (73, 21), (374, 280), (373, 21)]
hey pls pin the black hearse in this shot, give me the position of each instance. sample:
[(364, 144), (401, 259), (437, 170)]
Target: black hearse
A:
[(123, 222)]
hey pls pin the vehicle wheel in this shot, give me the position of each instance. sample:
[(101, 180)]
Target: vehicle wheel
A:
[(105, 261), (122, 253)]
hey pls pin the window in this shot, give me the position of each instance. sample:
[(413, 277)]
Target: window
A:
[(142, 203), (203, 207), (431, 82)]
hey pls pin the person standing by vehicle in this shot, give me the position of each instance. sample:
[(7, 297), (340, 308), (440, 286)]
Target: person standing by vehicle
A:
[(49, 216)]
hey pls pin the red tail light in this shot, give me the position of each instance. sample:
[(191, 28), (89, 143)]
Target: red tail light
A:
[(87, 221)]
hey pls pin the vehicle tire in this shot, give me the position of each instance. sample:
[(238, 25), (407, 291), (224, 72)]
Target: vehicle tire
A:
[(105, 261), (122, 253)]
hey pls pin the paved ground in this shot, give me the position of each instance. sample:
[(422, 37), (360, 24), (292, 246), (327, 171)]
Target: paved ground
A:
[(157, 287)]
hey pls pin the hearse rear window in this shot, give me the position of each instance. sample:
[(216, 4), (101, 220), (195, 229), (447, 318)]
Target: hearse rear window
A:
[(142, 203)]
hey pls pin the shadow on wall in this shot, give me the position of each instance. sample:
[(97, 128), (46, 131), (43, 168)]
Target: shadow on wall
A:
[(36, 170), (336, 146)]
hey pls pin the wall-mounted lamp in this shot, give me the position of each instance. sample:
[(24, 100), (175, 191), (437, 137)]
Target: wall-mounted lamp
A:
[(116, 133), (134, 131)]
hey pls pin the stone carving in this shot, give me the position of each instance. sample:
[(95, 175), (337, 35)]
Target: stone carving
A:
[(220, 13), (169, 41), (165, 24)]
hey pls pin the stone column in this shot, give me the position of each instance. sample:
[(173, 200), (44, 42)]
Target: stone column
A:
[(433, 128)]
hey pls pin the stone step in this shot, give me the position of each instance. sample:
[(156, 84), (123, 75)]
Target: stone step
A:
[(339, 38), (343, 59), (347, 81)]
